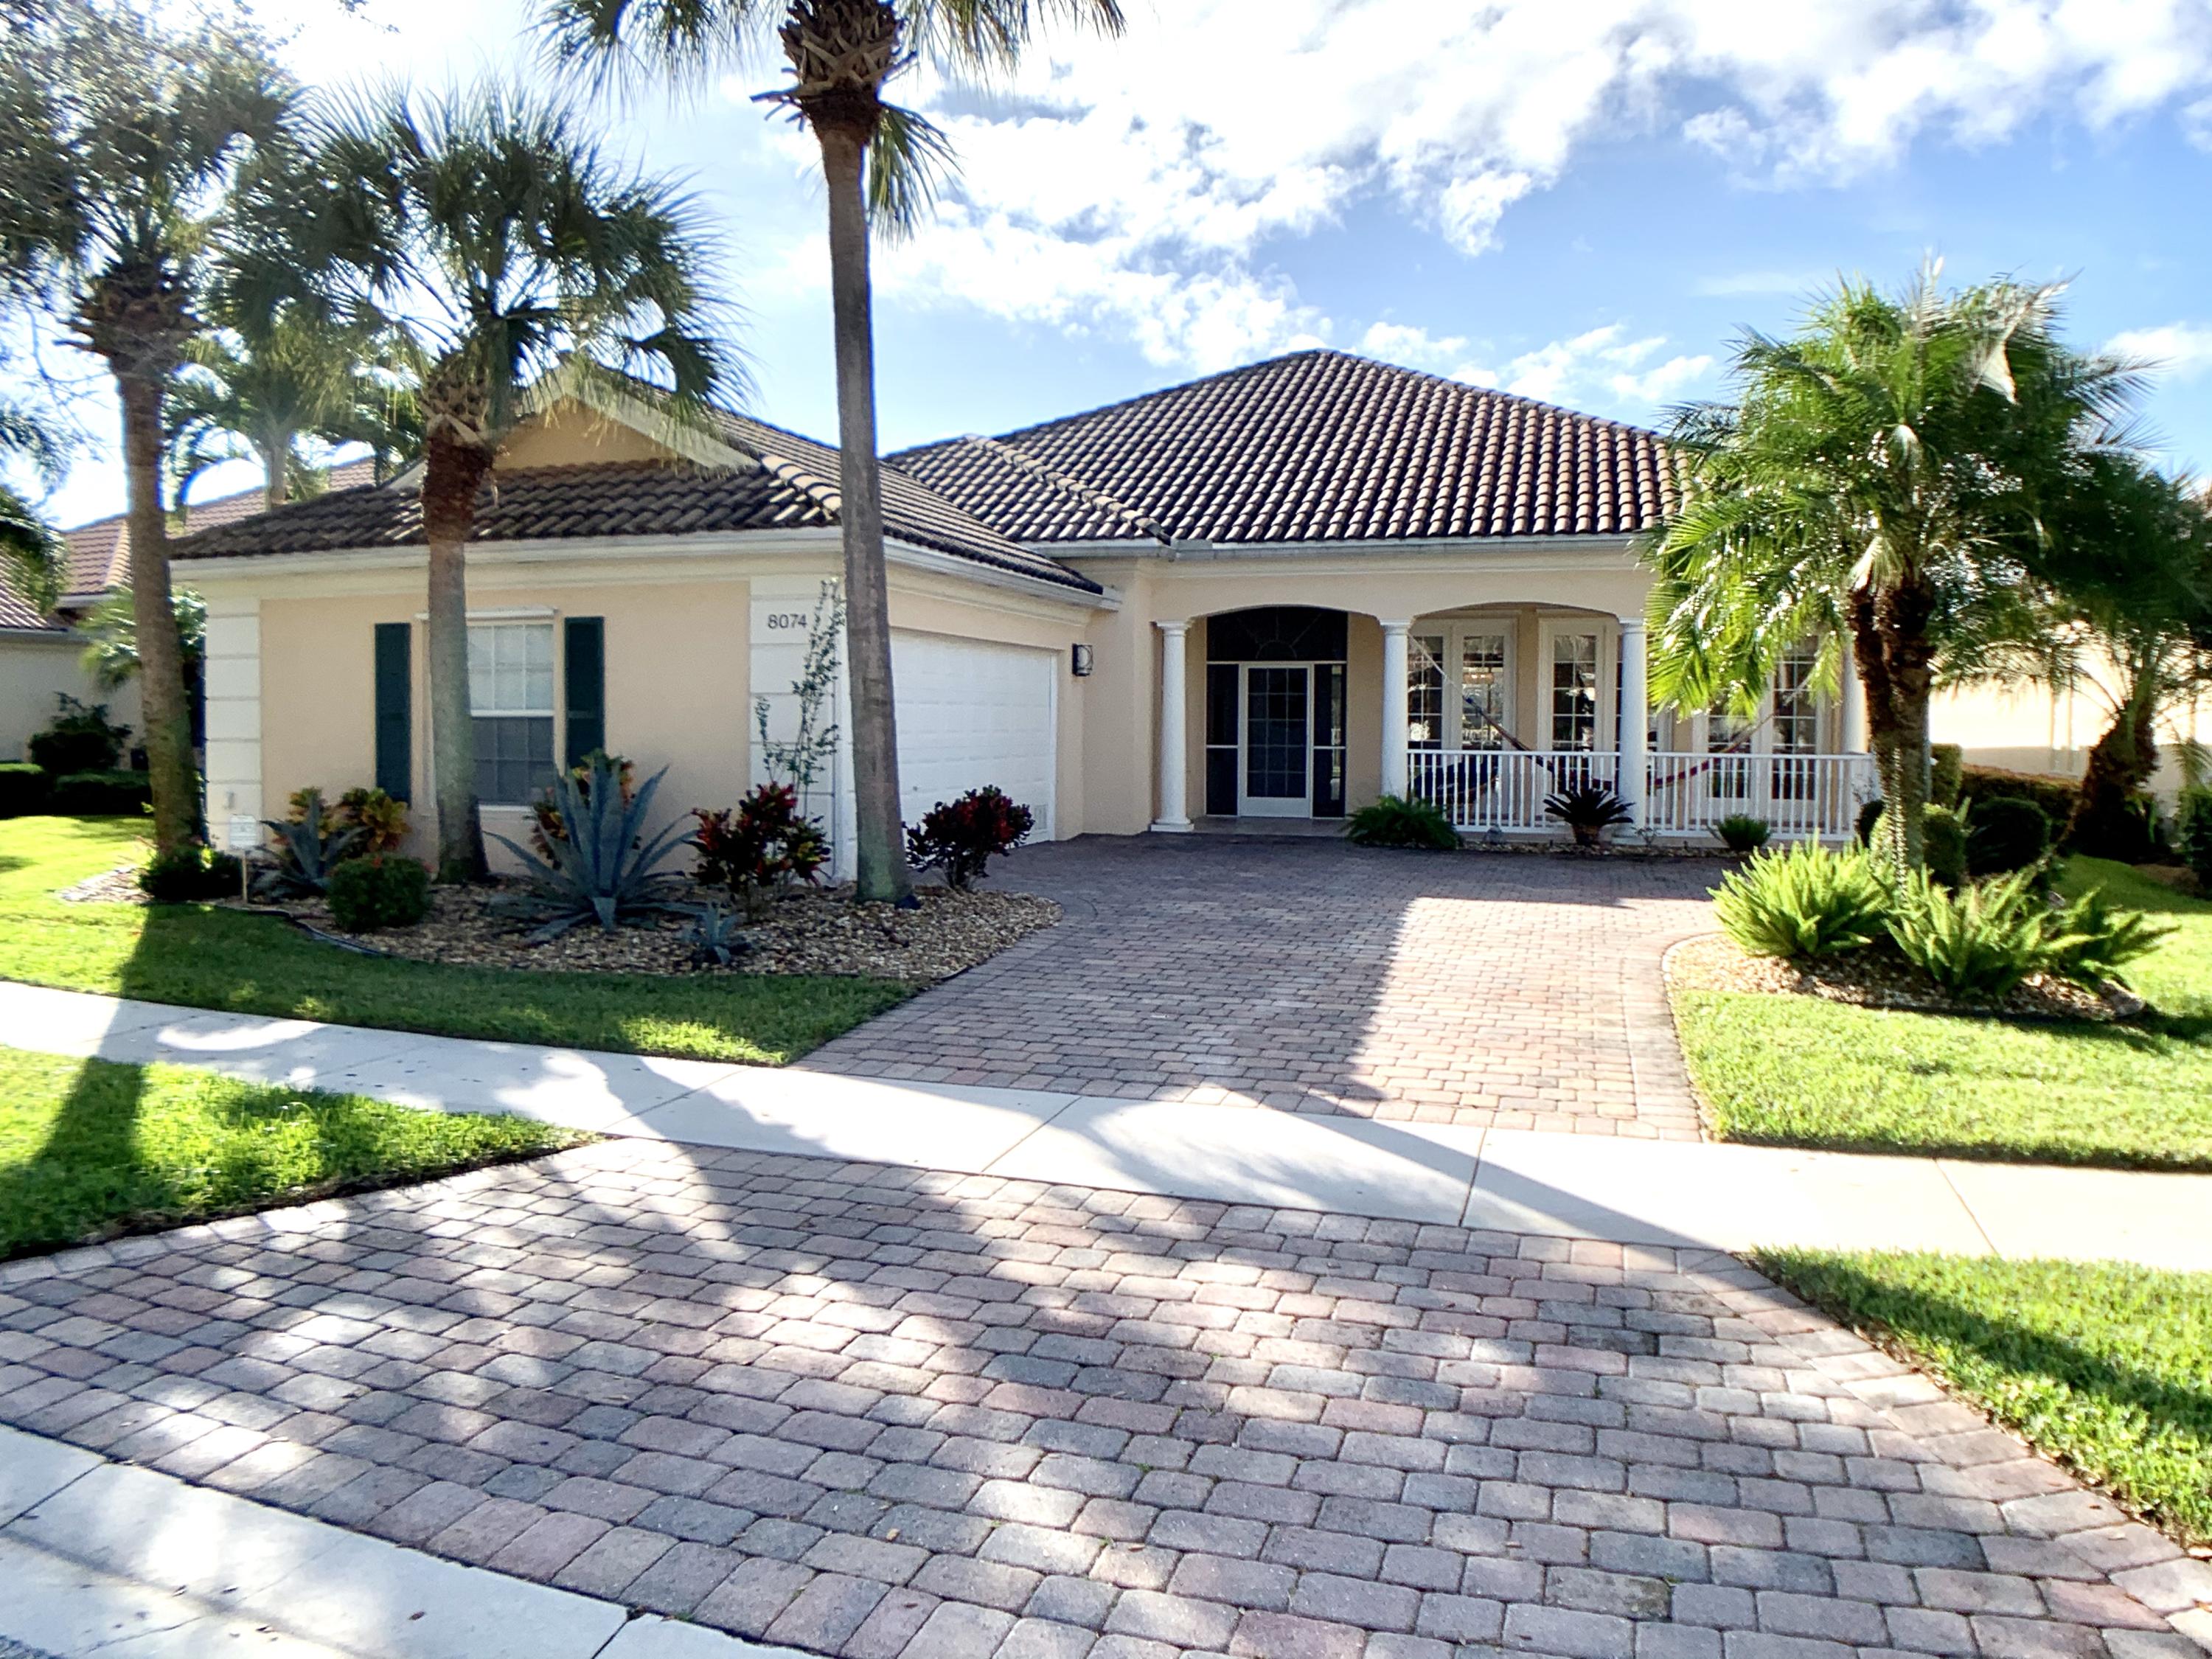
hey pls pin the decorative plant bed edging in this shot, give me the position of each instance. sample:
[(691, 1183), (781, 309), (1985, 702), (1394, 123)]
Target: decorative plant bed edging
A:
[(808, 931), (1874, 979), (116, 886)]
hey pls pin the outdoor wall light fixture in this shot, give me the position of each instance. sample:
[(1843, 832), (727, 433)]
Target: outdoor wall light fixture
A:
[(1080, 662)]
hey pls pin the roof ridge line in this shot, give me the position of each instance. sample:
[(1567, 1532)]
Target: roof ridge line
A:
[(1090, 495)]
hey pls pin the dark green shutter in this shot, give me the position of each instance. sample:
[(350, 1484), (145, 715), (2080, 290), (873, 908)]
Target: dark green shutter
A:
[(395, 718), (585, 687)]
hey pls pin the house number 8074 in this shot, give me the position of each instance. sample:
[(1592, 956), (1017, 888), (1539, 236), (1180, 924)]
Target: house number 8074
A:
[(786, 619)]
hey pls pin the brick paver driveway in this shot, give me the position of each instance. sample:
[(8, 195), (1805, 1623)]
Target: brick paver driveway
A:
[(879, 1412), (1515, 991)]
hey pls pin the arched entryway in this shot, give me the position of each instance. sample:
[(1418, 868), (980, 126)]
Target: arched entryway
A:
[(1276, 716)]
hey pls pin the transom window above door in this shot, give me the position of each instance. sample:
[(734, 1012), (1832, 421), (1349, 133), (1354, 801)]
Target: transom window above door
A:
[(1459, 686)]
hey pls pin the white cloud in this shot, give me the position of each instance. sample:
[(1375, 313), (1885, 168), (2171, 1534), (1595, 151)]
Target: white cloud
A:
[(2177, 351), (1138, 185), (1662, 383), (1416, 348), (1599, 368)]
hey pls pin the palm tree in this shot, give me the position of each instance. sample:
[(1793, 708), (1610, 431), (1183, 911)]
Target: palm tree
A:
[(33, 556), (269, 380), (2120, 610), (120, 140), (487, 236), (1875, 488), (878, 160)]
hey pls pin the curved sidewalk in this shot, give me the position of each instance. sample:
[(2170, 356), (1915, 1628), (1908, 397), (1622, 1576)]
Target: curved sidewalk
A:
[(1667, 1193)]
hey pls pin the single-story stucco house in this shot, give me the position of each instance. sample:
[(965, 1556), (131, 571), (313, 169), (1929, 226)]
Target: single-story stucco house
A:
[(1270, 594)]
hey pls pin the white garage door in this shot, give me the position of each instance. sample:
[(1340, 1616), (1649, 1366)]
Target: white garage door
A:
[(971, 714)]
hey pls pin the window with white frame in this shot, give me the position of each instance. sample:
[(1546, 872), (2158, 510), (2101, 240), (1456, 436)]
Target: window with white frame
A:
[(511, 698), (1483, 687), (1729, 736), (1796, 725), (1796, 720), (1574, 691), (1424, 692)]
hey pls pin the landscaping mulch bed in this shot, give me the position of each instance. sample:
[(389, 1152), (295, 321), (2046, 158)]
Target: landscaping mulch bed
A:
[(1874, 979), (809, 931)]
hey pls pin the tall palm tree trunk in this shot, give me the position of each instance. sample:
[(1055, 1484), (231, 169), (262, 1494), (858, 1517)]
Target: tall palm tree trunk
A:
[(451, 472), (879, 853), (165, 712), (2123, 759), (1896, 663), (275, 463)]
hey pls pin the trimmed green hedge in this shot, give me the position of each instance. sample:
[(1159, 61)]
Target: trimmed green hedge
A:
[(2055, 795), (25, 790), (101, 794)]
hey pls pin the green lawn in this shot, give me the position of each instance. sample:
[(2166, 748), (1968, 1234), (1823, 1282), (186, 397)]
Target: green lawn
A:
[(1794, 1070), (2105, 1367), (211, 958), (91, 1150)]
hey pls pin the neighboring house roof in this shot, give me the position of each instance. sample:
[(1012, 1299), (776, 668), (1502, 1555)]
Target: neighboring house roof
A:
[(99, 552), (19, 615), (792, 485), (1316, 446)]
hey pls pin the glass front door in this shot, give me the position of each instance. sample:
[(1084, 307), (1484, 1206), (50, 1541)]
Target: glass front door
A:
[(1274, 780)]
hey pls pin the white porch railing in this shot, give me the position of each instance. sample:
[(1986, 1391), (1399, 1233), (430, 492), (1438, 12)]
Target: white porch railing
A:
[(1685, 793)]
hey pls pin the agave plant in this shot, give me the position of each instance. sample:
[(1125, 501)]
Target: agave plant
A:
[(715, 936), (308, 847), (602, 867)]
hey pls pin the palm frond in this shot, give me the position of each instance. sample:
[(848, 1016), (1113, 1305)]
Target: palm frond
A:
[(32, 555), (910, 162)]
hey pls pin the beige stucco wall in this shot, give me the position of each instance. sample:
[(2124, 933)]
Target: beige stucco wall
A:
[(677, 687), (569, 435), (2033, 729), (34, 670)]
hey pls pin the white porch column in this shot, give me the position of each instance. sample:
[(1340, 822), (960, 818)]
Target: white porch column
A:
[(1634, 737), (1854, 734), (1394, 664), (1174, 673)]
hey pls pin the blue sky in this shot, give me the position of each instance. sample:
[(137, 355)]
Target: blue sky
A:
[(1581, 200)]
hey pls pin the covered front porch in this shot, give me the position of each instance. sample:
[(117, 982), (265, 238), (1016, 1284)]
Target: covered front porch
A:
[(1278, 714)]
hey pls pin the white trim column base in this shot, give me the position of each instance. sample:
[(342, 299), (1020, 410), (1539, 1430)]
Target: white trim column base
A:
[(1395, 661), (1632, 742), (1174, 818)]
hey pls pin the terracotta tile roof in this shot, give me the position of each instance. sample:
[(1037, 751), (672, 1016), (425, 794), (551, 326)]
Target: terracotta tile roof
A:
[(99, 552), (794, 486), (19, 615), (1320, 446)]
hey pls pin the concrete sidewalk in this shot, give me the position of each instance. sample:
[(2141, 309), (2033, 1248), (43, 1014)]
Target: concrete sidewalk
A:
[(100, 1556), (1621, 1191)]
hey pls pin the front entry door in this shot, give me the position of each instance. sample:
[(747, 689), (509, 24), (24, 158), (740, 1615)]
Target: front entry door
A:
[(1275, 778)]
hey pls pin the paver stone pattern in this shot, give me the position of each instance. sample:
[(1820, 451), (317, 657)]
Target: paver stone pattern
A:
[(898, 1414), (1518, 991)]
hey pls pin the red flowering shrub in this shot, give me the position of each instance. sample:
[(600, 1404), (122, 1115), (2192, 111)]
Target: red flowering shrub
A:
[(757, 850), (960, 837)]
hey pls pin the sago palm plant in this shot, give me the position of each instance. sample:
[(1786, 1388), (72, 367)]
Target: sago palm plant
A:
[(879, 161)]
